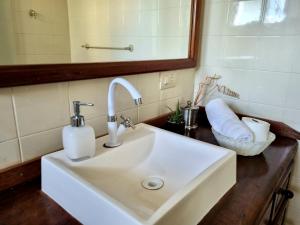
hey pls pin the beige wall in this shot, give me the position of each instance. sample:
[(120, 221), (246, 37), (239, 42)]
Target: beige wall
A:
[(7, 34), (32, 117), (257, 54), (44, 39)]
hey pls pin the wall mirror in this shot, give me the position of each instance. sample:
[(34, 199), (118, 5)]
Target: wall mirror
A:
[(57, 40)]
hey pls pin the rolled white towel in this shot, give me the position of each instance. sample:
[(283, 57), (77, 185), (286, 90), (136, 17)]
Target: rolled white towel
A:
[(226, 122)]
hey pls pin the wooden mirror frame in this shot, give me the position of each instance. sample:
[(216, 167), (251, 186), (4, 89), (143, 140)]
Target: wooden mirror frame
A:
[(16, 75)]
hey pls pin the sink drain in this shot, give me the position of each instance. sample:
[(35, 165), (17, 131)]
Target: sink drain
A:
[(153, 183)]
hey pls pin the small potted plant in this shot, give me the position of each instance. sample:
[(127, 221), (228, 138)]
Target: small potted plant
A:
[(175, 121)]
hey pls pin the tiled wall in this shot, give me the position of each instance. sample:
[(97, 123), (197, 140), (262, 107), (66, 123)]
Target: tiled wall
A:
[(44, 39), (7, 37), (32, 117), (158, 29), (255, 46)]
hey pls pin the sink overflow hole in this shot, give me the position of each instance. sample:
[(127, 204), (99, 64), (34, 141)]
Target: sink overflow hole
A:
[(152, 183)]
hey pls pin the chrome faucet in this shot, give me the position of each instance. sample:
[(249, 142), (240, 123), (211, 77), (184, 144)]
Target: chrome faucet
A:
[(114, 131)]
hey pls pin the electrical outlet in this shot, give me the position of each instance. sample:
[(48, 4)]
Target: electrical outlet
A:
[(167, 80)]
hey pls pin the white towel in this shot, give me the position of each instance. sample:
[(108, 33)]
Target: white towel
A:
[(225, 121)]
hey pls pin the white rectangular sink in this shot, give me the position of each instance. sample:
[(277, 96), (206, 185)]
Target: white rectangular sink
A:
[(189, 176)]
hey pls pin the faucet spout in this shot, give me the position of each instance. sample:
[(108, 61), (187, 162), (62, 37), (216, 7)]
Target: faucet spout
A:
[(111, 94), (112, 118)]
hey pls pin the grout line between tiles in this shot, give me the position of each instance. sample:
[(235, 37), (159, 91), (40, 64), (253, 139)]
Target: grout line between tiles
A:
[(17, 125), (40, 132), (245, 69), (10, 139)]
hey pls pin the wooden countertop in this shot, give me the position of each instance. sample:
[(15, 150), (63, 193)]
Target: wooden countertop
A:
[(244, 204), (257, 178)]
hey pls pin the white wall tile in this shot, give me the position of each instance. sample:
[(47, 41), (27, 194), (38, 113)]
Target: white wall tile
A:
[(25, 24), (149, 111), (42, 59), (172, 3), (41, 107), (82, 9), (99, 124), (148, 85), (45, 8), (265, 111), (140, 23), (9, 153), (39, 144), (291, 116), (60, 45), (7, 120), (165, 47), (211, 51), (240, 51), (215, 15), (22, 4), (296, 54), (293, 92), (60, 9), (268, 87), (44, 44), (133, 5), (272, 56), (174, 21), (186, 82), (25, 44), (90, 91)]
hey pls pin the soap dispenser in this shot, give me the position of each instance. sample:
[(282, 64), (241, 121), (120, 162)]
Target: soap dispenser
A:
[(79, 139)]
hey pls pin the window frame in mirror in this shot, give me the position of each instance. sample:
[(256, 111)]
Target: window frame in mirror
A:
[(16, 75)]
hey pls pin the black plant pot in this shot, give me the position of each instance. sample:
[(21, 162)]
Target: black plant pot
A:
[(175, 127)]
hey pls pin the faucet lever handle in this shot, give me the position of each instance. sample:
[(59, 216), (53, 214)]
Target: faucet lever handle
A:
[(86, 104), (127, 122)]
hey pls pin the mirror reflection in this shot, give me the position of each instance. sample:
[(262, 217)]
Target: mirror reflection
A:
[(81, 31)]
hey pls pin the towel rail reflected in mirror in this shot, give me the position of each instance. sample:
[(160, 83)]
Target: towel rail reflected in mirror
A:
[(129, 48), (18, 68)]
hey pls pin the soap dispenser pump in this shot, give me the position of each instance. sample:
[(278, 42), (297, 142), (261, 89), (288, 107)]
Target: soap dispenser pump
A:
[(79, 139)]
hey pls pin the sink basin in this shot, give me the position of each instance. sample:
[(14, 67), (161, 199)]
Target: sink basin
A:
[(154, 177)]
